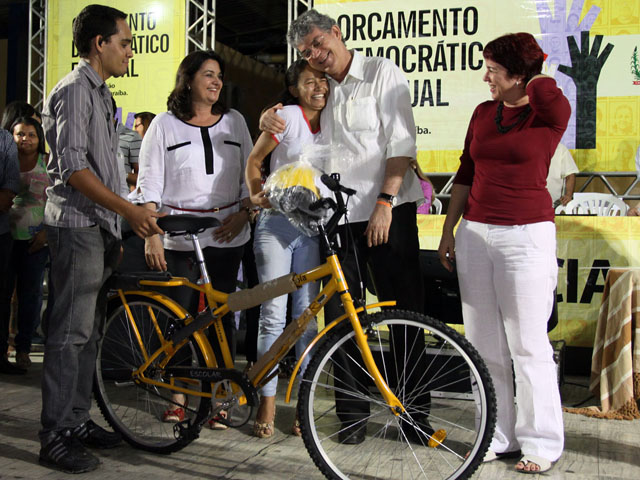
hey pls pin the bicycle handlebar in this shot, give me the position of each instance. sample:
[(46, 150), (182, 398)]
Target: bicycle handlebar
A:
[(333, 183), (338, 205)]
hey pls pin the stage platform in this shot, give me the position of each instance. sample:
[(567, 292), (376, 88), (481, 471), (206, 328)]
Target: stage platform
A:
[(595, 449)]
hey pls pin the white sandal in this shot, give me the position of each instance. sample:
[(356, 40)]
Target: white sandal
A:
[(544, 464)]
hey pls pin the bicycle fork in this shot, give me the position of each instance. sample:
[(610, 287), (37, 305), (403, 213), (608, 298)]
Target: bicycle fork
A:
[(394, 404)]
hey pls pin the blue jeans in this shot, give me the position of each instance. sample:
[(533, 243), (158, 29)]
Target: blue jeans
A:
[(26, 273), (280, 249), (81, 261)]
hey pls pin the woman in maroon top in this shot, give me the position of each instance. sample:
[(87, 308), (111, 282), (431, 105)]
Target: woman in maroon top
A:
[(505, 246)]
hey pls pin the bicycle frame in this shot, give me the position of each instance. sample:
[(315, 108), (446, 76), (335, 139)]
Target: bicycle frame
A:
[(260, 371)]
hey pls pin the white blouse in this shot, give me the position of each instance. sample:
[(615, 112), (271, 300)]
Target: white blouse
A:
[(192, 167)]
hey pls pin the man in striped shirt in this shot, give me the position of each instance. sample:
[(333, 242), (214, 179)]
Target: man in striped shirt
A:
[(83, 230)]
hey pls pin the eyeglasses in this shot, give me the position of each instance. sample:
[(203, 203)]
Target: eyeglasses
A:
[(315, 45)]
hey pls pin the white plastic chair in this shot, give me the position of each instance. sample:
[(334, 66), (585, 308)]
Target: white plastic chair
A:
[(561, 210), (436, 207), (601, 204)]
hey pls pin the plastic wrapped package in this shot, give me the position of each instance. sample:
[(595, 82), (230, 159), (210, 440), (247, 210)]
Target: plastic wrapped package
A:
[(292, 188)]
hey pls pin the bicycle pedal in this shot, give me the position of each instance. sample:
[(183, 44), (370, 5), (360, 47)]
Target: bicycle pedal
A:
[(186, 432)]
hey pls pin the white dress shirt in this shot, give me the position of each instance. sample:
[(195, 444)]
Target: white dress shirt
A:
[(560, 167), (370, 114)]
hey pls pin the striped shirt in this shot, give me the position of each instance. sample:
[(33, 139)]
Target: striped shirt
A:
[(129, 146), (78, 125), (9, 172)]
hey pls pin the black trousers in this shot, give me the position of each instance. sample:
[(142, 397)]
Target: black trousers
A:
[(222, 265), (395, 271), (252, 315), (6, 243)]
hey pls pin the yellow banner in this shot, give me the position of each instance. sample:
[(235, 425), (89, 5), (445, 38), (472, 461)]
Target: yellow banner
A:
[(158, 29), (587, 247), (592, 52)]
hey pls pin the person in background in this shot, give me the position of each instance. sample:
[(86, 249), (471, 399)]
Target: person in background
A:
[(561, 180), (83, 232), (280, 248), (129, 142), (15, 110), (427, 189), (505, 247), (29, 253), (141, 123), (192, 161), (9, 188)]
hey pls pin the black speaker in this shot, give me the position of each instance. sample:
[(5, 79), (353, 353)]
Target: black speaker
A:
[(442, 294)]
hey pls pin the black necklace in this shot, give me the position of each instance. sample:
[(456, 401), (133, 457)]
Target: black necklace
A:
[(521, 116)]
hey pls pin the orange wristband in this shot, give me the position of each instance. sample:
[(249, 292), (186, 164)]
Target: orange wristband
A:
[(382, 202)]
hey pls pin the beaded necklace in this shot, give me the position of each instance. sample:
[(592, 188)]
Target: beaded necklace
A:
[(521, 116)]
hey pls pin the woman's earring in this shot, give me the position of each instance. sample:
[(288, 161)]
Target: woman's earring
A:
[(518, 82), (188, 87)]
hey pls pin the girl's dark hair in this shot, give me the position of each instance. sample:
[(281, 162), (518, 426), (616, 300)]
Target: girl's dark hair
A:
[(92, 21), (179, 101), (35, 124), (519, 53), (14, 110), (291, 77)]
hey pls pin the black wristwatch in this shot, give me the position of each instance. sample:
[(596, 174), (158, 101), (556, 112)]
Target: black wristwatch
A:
[(388, 198)]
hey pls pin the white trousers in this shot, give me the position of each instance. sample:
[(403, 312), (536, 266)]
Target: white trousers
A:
[(507, 276)]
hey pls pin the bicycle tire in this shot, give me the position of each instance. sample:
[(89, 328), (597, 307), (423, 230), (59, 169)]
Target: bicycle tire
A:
[(424, 377), (135, 410)]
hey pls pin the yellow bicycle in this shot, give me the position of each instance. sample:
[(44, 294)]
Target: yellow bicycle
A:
[(430, 398)]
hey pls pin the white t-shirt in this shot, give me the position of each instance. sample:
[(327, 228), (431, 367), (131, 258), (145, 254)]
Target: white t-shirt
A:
[(561, 165), (196, 168), (369, 113), (296, 135)]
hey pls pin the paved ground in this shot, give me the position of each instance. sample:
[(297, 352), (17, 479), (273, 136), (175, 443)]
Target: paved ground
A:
[(603, 449)]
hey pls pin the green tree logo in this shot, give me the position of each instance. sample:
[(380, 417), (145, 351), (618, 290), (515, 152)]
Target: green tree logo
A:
[(635, 65)]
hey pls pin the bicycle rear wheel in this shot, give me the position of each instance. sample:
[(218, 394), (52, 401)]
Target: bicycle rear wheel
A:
[(438, 376), (137, 409)]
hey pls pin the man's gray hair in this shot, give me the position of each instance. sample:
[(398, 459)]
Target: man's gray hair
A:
[(305, 23)]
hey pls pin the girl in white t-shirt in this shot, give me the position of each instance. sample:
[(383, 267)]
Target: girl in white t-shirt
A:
[(279, 247)]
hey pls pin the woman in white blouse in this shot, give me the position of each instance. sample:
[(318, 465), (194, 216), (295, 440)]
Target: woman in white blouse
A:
[(192, 161)]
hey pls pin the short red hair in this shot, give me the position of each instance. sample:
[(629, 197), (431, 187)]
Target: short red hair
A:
[(519, 53)]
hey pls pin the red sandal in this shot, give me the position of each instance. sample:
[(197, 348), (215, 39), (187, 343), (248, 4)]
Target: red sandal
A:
[(216, 424), (173, 415)]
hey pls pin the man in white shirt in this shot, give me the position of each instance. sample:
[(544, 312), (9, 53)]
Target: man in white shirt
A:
[(562, 173), (368, 112)]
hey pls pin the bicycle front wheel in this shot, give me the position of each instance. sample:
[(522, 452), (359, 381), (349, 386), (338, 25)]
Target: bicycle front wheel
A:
[(444, 387), (145, 414)]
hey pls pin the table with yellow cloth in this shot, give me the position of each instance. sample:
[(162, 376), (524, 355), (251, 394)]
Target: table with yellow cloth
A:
[(615, 366)]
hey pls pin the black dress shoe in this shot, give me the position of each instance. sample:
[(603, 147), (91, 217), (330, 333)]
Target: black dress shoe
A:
[(415, 433), (65, 453), (93, 435), (9, 368), (352, 434)]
